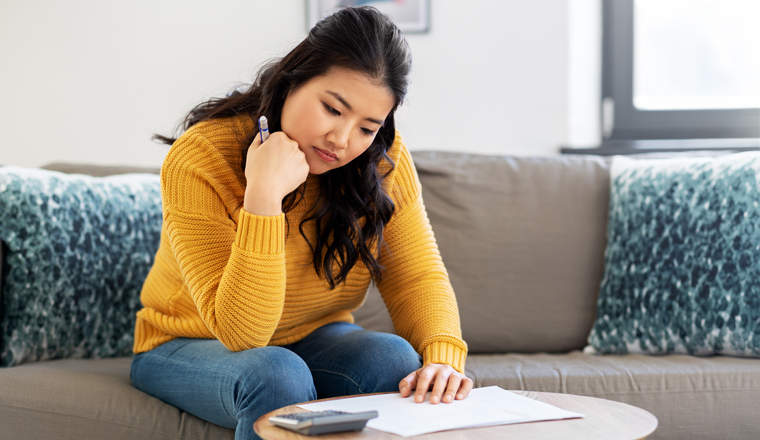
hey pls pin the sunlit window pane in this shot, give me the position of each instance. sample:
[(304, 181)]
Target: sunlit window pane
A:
[(696, 54)]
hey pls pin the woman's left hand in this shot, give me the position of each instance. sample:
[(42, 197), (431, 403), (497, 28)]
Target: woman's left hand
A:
[(448, 384)]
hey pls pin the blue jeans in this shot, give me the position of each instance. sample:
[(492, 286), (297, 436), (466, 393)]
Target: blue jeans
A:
[(233, 389)]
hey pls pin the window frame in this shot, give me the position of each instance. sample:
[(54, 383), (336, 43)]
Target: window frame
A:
[(628, 130), (628, 122)]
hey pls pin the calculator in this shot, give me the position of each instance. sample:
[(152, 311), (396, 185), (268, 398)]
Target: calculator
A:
[(323, 422)]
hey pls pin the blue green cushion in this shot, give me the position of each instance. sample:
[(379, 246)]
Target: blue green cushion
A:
[(78, 251), (682, 264)]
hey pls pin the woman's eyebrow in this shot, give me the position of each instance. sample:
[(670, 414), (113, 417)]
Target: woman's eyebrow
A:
[(337, 96)]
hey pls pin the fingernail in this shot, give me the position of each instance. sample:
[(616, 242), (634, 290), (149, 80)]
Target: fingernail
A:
[(403, 390), (434, 399), (447, 398), (460, 396), (418, 398)]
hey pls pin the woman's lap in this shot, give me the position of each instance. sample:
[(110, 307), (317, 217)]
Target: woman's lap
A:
[(231, 389)]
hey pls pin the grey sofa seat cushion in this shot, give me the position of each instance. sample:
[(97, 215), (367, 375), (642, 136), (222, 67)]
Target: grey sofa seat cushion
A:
[(692, 397), (90, 399)]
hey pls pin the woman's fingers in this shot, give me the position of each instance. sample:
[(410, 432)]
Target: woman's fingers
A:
[(407, 384), (455, 380), (256, 143), (275, 169), (464, 388), (425, 378), (439, 385), (447, 384)]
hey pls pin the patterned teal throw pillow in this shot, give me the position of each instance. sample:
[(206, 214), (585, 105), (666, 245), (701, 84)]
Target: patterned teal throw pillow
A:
[(78, 250), (682, 264)]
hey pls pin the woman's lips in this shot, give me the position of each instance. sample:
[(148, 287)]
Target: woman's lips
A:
[(325, 155)]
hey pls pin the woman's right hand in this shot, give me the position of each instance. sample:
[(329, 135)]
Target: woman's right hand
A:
[(273, 170)]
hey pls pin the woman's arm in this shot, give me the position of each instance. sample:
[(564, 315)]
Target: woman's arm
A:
[(235, 272), (417, 290)]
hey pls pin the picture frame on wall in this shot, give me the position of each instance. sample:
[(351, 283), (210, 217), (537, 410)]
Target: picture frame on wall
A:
[(411, 16)]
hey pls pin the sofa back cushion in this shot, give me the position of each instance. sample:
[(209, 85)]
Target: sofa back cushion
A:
[(681, 270), (78, 249), (523, 242)]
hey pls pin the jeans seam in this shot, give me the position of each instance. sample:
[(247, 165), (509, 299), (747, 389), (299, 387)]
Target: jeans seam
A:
[(227, 373), (319, 370)]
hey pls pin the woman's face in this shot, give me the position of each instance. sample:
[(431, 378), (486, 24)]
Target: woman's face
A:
[(335, 117)]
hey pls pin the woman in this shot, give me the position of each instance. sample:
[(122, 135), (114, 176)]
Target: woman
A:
[(267, 248)]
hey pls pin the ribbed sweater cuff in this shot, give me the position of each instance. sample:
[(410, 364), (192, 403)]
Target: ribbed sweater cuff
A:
[(261, 234), (445, 353)]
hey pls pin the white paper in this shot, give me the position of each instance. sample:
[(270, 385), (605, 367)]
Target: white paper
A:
[(483, 407)]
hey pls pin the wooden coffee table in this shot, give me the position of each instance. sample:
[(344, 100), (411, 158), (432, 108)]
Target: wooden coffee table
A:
[(604, 419)]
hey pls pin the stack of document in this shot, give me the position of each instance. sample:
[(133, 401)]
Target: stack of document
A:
[(483, 407)]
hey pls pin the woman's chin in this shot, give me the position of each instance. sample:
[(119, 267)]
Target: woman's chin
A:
[(318, 168)]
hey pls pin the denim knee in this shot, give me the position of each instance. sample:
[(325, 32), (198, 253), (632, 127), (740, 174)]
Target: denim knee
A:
[(399, 359), (380, 360), (278, 376)]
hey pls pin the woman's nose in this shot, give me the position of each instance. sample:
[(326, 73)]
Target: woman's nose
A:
[(338, 136)]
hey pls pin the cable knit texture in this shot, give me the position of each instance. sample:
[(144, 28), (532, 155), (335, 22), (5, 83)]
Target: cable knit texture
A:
[(249, 280)]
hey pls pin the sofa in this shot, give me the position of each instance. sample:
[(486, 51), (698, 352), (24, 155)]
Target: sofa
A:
[(524, 240)]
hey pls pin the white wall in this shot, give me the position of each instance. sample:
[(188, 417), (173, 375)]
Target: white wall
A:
[(90, 81)]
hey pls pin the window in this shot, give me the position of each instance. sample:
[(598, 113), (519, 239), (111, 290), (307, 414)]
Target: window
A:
[(707, 58), (681, 70)]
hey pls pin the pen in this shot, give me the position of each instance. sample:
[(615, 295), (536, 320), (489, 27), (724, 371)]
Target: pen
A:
[(263, 128)]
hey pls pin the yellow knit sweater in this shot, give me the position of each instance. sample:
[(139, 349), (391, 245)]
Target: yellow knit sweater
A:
[(223, 273)]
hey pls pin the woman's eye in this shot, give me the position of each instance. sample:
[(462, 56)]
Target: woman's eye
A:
[(331, 110), (368, 132)]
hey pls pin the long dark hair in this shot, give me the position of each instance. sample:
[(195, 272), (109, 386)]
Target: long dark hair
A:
[(363, 40)]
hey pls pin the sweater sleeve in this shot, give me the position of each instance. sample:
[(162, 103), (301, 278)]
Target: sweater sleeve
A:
[(235, 273), (415, 284)]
